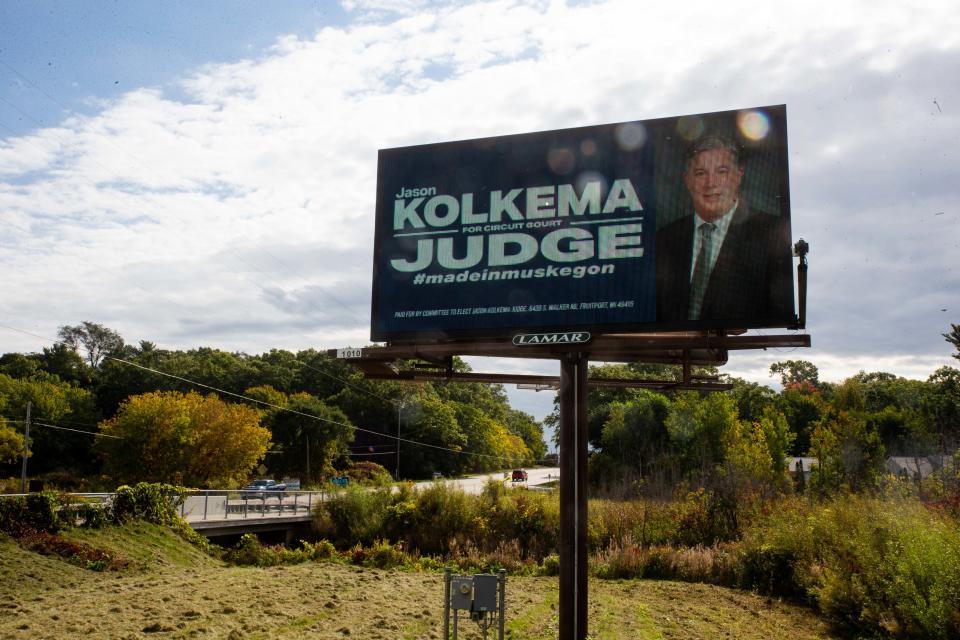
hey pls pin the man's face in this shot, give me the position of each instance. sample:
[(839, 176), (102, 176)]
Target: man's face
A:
[(713, 179)]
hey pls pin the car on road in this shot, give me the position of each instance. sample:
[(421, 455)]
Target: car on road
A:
[(518, 475), (264, 488)]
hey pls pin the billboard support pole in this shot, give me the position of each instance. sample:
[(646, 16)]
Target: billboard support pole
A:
[(573, 496), (800, 249)]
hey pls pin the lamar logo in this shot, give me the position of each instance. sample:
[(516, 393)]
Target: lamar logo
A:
[(571, 337)]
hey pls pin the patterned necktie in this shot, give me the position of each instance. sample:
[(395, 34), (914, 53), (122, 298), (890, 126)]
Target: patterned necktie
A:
[(701, 271)]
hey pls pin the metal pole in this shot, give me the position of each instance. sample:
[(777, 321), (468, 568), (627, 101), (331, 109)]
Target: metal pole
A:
[(573, 497), (26, 450), (800, 249), (446, 603), (503, 601), (399, 409)]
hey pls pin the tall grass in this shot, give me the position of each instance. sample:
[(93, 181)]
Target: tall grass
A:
[(887, 565)]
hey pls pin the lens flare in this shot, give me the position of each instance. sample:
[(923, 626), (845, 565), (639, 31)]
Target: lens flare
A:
[(588, 147), (630, 136), (561, 160), (754, 125), (690, 127), (580, 182)]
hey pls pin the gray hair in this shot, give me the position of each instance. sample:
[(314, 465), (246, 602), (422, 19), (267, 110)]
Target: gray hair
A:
[(711, 141)]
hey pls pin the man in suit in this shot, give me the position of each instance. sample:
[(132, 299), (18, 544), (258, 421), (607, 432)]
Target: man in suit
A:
[(728, 264)]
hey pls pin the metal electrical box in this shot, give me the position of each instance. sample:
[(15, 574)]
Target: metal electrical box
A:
[(461, 593), (485, 586), (481, 596)]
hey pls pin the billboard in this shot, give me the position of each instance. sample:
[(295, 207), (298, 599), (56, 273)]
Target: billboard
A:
[(669, 224)]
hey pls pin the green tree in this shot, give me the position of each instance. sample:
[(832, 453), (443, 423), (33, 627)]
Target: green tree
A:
[(167, 436), (17, 365), (803, 407), (433, 424), (698, 427), (272, 399), (634, 441), (851, 455), (940, 407), (953, 337), (796, 372), (53, 402), (63, 362), (529, 430), (96, 340), (751, 398), (11, 443), (323, 376), (309, 437)]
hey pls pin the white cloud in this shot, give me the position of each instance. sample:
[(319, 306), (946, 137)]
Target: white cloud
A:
[(240, 213)]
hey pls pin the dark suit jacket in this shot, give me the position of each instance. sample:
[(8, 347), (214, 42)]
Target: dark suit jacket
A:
[(751, 283)]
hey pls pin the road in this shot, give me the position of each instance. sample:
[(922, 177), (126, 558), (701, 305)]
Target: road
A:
[(217, 505), (474, 484)]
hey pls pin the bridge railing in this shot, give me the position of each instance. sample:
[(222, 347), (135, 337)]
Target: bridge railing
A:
[(199, 505)]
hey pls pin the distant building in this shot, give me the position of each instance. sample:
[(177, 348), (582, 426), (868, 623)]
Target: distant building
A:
[(801, 465), (917, 467)]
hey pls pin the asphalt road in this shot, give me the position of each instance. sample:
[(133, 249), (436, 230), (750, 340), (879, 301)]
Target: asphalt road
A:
[(474, 484), (214, 505)]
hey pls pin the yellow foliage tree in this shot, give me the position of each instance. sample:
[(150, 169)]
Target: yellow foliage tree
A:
[(189, 439)]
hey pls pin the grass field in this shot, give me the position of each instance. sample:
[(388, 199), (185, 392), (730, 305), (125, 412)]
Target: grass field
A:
[(170, 590)]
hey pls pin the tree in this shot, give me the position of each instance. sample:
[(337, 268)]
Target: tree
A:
[(634, 440), (52, 401), (309, 435), (698, 427), (167, 436), (953, 337), (65, 363), (529, 430), (803, 409), (433, 424), (97, 340), (940, 407), (751, 398), (796, 372), (11, 443), (850, 454)]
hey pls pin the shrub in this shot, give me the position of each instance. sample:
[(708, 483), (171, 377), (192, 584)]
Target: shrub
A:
[(356, 515), (35, 511), (369, 474), (443, 514), (384, 555), (550, 565), (85, 514), (322, 550), (153, 502), (881, 566), (249, 552), (891, 566)]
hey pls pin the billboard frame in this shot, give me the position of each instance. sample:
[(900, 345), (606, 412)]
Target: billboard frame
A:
[(554, 322)]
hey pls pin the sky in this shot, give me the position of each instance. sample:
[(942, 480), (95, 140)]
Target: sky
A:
[(203, 174)]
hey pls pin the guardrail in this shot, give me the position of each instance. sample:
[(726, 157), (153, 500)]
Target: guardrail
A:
[(200, 505)]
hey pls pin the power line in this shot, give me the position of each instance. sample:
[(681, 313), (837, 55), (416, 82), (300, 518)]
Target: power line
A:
[(92, 433), (279, 408), (305, 415)]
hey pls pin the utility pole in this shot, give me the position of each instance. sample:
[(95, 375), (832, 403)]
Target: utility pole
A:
[(306, 441), (399, 409), (26, 451)]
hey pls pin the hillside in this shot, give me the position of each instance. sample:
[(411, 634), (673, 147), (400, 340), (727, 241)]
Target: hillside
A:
[(169, 590)]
